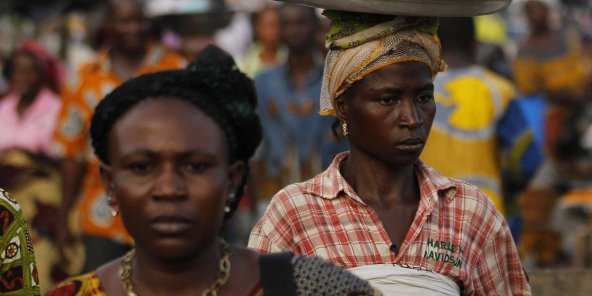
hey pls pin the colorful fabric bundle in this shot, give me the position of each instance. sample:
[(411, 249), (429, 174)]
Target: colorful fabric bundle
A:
[(361, 43)]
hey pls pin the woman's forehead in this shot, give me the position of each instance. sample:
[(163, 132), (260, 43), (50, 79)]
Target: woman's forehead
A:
[(171, 119), (397, 75)]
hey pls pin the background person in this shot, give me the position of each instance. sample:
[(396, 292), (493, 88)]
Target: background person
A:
[(552, 63), (175, 179), (28, 113), (267, 49), (128, 53), (294, 133), (470, 101)]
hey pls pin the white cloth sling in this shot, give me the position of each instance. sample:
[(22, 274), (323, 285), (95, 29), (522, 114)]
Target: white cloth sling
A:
[(393, 279)]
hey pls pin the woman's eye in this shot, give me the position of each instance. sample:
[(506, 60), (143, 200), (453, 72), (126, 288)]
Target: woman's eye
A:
[(388, 101), (196, 167), (425, 98), (140, 168)]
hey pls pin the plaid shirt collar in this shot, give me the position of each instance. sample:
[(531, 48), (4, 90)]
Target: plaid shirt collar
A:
[(431, 183)]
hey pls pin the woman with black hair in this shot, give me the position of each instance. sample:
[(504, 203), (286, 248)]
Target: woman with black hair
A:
[(174, 148)]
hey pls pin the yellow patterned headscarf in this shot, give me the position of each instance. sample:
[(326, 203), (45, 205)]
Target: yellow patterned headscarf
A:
[(361, 43)]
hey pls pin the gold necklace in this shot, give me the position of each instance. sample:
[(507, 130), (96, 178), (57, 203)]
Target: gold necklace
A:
[(125, 272)]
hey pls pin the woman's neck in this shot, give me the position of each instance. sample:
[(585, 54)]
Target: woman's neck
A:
[(541, 32), (125, 64), (188, 276), (269, 55), (379, 184), (25, 101), (300, 66)]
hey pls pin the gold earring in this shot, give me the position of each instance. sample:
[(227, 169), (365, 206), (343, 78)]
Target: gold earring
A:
[(344, 127)]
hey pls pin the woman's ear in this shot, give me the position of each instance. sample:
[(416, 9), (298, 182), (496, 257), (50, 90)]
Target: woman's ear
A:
[(107, 178), (341, 108)]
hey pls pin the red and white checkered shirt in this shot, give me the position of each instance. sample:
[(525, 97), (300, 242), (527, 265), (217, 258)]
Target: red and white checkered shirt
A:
[(457, 231)]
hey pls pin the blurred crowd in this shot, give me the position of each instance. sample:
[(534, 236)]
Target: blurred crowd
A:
[(513, 112)]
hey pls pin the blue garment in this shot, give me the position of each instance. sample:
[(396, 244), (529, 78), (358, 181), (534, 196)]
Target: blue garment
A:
[(291, 120), (521, 136)]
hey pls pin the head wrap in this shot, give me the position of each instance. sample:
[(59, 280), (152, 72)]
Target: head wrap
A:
[(361, 43), (51, 70)]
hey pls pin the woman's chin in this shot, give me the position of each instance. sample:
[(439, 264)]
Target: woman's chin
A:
[(171, 250)]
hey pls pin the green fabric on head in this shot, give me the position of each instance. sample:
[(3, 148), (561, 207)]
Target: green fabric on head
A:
[(347, 24)]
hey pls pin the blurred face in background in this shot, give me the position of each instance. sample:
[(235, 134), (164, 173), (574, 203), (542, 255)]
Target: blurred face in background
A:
[(299, 26), (129, 27), (25, 76), (267, 27), (537, 14)]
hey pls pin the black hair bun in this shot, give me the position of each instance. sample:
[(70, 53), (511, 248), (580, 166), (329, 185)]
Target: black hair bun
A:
[(221, 69), (220, 78), (212, 82)]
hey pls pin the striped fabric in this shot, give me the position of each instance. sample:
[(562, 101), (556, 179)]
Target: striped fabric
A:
[(457, 231)]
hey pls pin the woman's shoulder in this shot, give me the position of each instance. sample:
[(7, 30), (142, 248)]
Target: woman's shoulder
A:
[(315, 276), (87, 284), (308, 276), (457, 194)]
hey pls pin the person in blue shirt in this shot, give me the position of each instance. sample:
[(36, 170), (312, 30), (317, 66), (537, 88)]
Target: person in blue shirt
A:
[(298, 142)]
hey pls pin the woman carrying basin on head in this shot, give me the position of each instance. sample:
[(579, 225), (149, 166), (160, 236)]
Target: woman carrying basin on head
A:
[(378, 210), (174, 148)]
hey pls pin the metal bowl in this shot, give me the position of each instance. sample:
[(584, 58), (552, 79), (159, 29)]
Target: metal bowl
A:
[(442, 8)]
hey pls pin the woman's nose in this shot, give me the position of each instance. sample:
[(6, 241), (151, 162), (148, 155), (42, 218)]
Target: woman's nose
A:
[(410, 116), (169, 184)]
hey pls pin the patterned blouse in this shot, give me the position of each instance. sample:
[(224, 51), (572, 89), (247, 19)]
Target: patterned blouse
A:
[(18, 271)]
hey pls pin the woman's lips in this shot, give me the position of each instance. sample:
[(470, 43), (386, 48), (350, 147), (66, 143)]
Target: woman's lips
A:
[(410, 145), (170, 225)]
